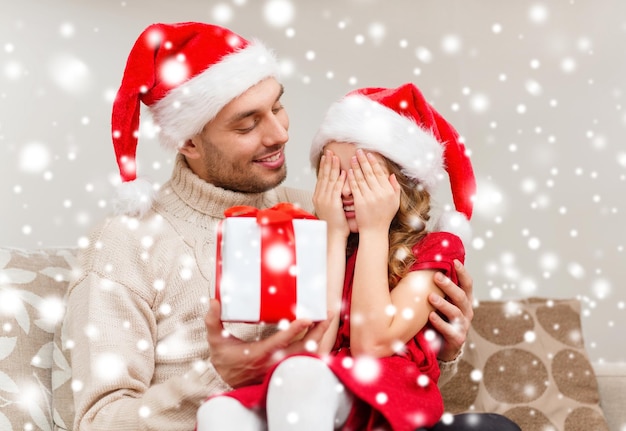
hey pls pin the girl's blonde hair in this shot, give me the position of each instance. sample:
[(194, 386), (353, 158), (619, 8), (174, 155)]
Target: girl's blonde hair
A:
[(407, 228)]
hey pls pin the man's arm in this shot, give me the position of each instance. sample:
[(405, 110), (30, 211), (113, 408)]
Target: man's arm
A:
[(113, 359)]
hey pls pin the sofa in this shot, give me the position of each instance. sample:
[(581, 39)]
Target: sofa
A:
[(523, 358)]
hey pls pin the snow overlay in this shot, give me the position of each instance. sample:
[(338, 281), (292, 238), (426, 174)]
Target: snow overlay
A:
[(536, 89)]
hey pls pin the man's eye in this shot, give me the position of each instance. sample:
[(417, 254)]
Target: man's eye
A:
[(246, 129), (277, 109)]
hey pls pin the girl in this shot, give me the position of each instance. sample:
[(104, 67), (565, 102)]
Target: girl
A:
[(379, 153)]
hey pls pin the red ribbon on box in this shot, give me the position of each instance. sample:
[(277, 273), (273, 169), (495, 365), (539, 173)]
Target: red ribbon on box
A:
[(278, 285)]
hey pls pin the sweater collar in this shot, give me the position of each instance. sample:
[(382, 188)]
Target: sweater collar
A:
[(203, 197)]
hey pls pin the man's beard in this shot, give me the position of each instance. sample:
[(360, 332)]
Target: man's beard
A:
[(238, 178), (243, 182), (259, 187)]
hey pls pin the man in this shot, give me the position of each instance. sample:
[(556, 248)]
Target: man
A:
[(145, 352)]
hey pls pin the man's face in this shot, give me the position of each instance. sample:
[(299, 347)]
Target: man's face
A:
[(242, 148)]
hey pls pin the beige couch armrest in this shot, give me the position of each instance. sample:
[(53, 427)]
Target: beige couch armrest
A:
[(612, 387), (33, 284)]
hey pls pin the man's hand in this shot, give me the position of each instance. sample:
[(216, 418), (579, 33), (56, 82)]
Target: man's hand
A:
[(457, 309), (241, 363)]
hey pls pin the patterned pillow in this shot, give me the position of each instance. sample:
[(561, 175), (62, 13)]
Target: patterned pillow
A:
[(32, 290), (526, 359)]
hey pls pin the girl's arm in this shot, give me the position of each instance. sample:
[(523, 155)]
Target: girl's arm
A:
[(381, 321), (336, 268), (328, 207)]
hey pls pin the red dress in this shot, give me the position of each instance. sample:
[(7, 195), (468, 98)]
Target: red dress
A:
[(404, 394)]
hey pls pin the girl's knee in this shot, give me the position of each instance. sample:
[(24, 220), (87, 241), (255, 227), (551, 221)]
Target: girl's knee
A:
[(302, 367), (305, 395), (208, 415), (225, 413)]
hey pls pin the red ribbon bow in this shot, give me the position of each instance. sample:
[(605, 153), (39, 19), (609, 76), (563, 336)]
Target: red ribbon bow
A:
[(279, 213)]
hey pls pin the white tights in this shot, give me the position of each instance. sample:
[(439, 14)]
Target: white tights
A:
[(303, 395)]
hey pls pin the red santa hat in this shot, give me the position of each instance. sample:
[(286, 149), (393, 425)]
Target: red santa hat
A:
[(185, 73), (401, 125)]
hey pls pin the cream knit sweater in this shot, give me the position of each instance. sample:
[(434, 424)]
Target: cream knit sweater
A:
[(135, 320)]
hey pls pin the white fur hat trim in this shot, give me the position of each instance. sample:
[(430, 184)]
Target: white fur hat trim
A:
[(133, 198), (185, 109), (457, 223), (372, 126)]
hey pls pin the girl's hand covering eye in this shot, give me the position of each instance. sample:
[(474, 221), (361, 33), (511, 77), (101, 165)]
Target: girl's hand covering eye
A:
[(376, 193), (327, 195)]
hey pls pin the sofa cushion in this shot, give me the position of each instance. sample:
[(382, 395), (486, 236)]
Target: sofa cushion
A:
[(32, 290), (526, 359)]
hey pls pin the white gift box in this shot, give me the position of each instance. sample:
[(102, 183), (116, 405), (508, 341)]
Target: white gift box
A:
[(269, 270)]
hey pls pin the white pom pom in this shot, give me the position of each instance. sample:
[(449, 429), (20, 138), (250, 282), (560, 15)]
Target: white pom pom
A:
[(456, 223), (133, 198)]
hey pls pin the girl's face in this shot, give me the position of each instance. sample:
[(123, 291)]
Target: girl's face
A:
[(345, 151)]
